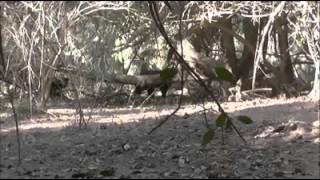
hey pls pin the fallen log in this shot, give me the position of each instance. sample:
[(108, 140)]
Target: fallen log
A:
[(153, 79), (144, 81)]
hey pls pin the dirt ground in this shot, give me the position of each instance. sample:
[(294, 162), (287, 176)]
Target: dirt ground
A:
[(282, 142)]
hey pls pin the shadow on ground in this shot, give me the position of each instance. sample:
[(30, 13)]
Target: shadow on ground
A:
[(123, 148)]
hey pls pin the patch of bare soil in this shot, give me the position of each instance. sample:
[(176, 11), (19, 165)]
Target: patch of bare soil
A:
[(283, 142)]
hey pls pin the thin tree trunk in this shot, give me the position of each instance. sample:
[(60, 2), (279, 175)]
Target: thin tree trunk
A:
[(315, 92)]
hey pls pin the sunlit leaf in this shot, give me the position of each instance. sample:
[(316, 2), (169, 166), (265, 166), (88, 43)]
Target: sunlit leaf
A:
[(220, 120), (224, 74), (167, 74), (245, 119), (208, 136)]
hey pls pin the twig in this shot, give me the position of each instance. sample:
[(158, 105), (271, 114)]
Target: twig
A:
[(180, 59), (15, 116), (11, 97), (147, 99), (235, 129), (258, 54), (204, 113), (182, 84), (222, 135), (176, 110)]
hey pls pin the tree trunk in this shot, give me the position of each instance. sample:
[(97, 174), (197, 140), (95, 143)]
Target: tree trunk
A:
[(48, 72), (46, 81), (286, 69), (247, 58), (228, 46)]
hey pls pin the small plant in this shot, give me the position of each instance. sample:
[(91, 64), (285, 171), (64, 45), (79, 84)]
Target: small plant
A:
[(223, 120)]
